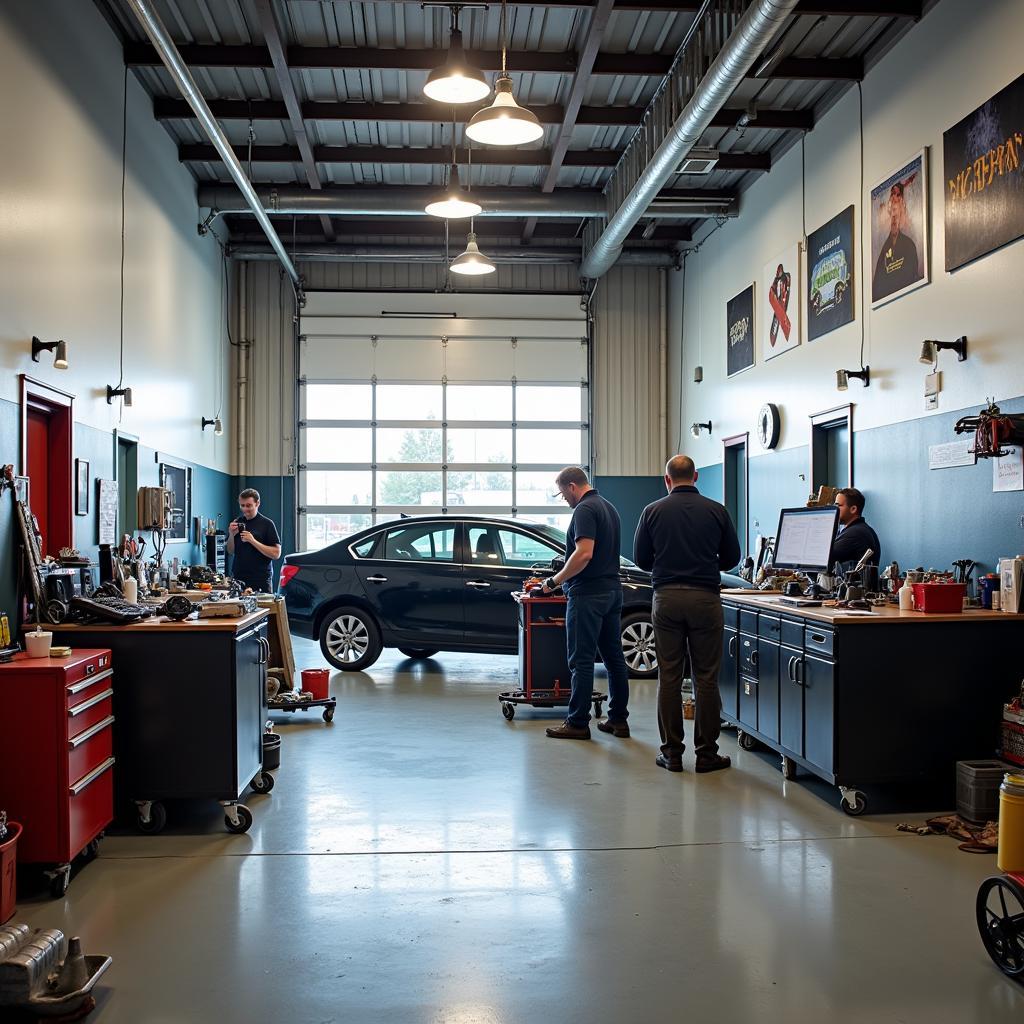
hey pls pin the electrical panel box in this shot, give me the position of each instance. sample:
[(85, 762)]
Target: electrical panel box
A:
[(154, 508)]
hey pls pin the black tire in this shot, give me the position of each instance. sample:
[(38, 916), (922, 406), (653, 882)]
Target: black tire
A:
[(59, 884), (263, 782), (418, 653), (788, 768), (859, 805), (350, 639), (157, 820), (1001, 923), (328, 714), (92, 850), (637, 635), (244, 820), (509, 711), (597, 709), (746, 741)]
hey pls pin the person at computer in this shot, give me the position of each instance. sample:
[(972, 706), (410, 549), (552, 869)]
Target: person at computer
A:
[(854, 537)]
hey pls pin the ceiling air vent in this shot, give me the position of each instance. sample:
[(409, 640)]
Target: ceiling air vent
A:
[(699, 161)]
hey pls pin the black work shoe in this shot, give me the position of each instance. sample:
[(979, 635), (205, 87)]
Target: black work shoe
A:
[(669, 764), (565, 731), (616, 728), (714, 763)]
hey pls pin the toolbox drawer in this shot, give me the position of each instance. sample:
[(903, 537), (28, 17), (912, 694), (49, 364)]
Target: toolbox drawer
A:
[(748, 621), (92, 667), (89, 749), (819, 640), (88, 686), (731, 615), (87, 714), (792, 633), (90, 800), (748, 655), (769, 626)]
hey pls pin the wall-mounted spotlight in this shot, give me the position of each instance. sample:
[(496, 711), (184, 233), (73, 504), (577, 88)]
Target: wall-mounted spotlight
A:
[(930, 350), (123, 393), (698, 374), (58, 348), (843, 377), (218, 427), (696, 428)]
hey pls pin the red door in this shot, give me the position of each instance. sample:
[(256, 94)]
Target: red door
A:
[(37, 422)]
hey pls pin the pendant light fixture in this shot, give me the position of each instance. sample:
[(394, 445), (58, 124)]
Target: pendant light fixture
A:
[(472, 262), (453, 203), (504, 122), (456, 81)]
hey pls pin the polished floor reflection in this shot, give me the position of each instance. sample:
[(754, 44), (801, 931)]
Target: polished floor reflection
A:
[(422, 860)]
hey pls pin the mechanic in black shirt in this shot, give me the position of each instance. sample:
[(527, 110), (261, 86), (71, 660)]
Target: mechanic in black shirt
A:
[(254, 541), (593, 613), (685, 541), (854, 536)]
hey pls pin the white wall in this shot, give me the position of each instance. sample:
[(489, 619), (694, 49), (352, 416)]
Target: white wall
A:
[(960, 54), (60, 176)]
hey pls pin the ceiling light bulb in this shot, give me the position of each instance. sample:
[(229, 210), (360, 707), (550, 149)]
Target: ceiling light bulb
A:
[(453, 203), (456, 81), (472, 261), (504, 122)]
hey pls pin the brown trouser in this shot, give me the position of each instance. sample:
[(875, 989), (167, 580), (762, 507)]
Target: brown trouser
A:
[(688, 621)]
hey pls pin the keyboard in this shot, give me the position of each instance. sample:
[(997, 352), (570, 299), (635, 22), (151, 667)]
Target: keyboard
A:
[(104, 608)]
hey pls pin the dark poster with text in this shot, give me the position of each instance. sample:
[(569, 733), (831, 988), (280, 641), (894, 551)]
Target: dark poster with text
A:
[(739, 317)]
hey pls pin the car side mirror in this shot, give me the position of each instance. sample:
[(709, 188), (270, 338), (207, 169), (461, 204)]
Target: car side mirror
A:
[(558, 563)]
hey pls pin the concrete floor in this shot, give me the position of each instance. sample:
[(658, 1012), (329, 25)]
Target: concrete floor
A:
[(424, 861)]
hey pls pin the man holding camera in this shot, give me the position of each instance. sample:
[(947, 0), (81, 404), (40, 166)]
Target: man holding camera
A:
[(254, 541)]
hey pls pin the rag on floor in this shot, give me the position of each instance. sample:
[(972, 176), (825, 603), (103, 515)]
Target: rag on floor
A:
[(973, 838)]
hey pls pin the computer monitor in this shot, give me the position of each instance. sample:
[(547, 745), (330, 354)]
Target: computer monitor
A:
[(804, 538)]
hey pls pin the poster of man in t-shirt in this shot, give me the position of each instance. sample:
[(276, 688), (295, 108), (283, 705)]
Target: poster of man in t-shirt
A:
[(899, 232)]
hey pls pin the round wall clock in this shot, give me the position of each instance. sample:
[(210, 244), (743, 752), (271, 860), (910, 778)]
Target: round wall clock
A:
[(768, 423)]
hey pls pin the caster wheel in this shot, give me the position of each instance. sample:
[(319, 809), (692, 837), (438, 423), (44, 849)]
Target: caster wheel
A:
[(92, 851), (157, 820), (59, 883), (328, 714), (855, 803), (263, 783), (597, 709), (1000, 914), (788, 768), (509, 711), (244, 820), (746, 741)]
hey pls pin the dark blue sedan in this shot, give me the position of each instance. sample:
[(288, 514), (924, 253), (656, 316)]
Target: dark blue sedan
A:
[(438, 583)]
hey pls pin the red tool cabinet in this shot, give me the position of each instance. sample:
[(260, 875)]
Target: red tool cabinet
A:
[(56, 756)]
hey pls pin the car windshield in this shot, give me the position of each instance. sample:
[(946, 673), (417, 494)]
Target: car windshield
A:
[(558, 536)]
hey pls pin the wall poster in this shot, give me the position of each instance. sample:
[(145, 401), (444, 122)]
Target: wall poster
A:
[(780, 329), (830, 275), (739, 319), (983, 162), (899, 231)]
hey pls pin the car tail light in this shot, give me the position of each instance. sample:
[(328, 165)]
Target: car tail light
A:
[(287, 572)]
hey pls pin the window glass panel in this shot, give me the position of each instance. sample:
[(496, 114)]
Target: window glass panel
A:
[(363, 548), (402, 444), (479, 402), (554, 445), (468, 444), (555, 403), (409, 402), (491, 489), (559, 520), (326, 528), (537, 489), (484, 548), (413, 543), (339, 401), (524, 551), (338, 444), (405, 488), (339, 487)]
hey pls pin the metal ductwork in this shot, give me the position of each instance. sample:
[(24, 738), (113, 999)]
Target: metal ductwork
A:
[(153, 27), (755, 31)]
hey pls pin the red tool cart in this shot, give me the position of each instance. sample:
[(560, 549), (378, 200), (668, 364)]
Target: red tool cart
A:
[(543, 668), (56, 756)]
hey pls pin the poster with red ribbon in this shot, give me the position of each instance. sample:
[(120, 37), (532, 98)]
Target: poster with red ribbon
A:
[(780, 325)]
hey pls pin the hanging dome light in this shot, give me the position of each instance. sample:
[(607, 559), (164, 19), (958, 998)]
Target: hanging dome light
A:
[(472, 262), (453, 202), (504, 122), (456, 81)]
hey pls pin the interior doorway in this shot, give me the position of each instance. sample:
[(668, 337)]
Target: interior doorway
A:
[(832, 448), (736, 486), (46, 432), (127, 462)]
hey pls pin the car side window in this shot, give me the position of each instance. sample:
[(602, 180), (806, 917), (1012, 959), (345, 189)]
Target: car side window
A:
[(364, 547), (484, 548), (417, 543), (522, 550)]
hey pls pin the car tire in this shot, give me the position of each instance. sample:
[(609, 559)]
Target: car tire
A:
[(350, 639), (419, 653), (637, 634)]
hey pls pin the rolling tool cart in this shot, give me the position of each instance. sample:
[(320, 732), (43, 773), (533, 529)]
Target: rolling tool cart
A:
[(543, 668)]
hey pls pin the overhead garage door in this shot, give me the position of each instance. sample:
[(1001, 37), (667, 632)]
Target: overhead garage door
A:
[(414, 403)]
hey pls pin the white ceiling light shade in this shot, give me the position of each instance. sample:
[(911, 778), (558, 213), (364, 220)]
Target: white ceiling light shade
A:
[(456, 81), (453, 203), (504, 122), (472, 262)]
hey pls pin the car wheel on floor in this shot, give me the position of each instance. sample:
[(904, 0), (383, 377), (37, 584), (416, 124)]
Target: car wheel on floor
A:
[(419, 652), (638, 645), (350, 639)]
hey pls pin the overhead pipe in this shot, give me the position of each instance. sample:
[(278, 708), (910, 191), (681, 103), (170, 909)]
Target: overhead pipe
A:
[(753, 33), (153, 27)]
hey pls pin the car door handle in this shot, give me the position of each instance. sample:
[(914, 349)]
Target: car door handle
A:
[(376, 579), (479, 584)]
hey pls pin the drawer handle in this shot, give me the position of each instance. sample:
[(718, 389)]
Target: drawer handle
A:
[(89, 733), (801, 672), (91, 702), (753, 658), (86, 683), (792, 665), (92, 776), (732, 646), (817, 638)]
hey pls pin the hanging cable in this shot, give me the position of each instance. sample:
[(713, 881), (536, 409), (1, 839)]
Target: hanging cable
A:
[(860, 101), (124, 170)]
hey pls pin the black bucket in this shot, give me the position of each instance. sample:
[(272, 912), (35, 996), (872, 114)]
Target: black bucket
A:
[(271, 751)]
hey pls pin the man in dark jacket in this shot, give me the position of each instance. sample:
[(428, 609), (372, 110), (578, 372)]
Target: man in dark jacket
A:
[(855, 537), (685, 540)]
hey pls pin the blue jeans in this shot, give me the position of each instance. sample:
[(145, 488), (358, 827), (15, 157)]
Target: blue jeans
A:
[(592, 625)]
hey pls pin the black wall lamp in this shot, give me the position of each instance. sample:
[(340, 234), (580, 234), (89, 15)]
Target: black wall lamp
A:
[(123, 393), (930, 350), (218, 427), (696, 428), (58, 348), (843, 377)]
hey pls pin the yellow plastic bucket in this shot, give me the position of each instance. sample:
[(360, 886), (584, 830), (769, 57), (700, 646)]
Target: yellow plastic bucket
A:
[(1010, 856)]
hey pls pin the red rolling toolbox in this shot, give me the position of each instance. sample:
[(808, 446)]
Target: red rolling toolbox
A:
[(56, 756)]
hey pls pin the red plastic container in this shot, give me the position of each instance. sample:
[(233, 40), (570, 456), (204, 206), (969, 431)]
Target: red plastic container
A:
[(8, 872), (939, 597), (316, 680)]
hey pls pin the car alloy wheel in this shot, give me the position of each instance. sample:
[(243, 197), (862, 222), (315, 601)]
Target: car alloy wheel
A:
[(350, 639), (638, 645)]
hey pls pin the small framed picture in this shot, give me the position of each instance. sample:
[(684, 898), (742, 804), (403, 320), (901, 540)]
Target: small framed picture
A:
[(81, 487), (21, 489)]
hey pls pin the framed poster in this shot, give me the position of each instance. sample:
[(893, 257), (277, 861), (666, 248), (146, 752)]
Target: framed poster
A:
[(81, 487), (899, 231), (780, 325), (830, 275), (983, 163), (739, 319)]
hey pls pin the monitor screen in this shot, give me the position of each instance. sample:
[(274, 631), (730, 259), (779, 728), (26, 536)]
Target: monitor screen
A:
[(804, 538)]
